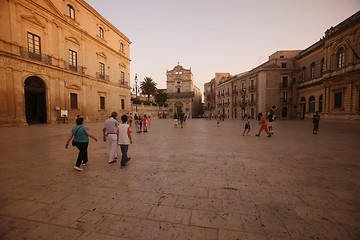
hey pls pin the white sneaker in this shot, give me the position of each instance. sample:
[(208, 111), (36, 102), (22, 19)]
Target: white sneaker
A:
[(77, 168), (84, 164)]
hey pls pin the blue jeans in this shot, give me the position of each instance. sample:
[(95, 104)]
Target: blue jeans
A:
[(124, 157)]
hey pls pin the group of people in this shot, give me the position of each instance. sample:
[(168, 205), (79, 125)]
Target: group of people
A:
[(179, 119), (114, 132), (267, 124), (142, 123)]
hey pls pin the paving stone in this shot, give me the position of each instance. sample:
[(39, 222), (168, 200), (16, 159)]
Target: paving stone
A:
[(199, 182)]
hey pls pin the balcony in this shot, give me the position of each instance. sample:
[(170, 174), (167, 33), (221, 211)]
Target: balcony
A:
[(123, 83), (226, 104), (284, 85), (251, 88), (242, 103), (227, 93), (285, 101), (180, 95), (24, 52), (78, 69), (251, 103), (102, 77), (235, 92)]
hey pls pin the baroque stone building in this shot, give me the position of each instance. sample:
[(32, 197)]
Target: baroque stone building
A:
[(60, 57), (182, 94), (329, 73)]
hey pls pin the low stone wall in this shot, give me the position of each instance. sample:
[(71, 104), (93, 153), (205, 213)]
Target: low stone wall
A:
[(149, 110)]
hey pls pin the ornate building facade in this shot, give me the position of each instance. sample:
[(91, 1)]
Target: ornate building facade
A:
[(329, 73), (182, 94), (60, 57)]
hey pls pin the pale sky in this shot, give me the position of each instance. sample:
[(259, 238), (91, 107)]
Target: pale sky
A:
[(209, 36)]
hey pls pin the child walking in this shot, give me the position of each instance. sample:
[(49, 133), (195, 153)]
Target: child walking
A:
[(124, 139)]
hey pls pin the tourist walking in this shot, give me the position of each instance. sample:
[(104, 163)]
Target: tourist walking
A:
[(141, 123), (218, 116), (137, 123), (81, 136), (175, 120), (263, 125), (109, 130), (145, 123), (181, 117), (316, 120), (124, 139), (247, 126), (271, 118)]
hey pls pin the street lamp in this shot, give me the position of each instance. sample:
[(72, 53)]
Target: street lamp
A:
[(136, 89)]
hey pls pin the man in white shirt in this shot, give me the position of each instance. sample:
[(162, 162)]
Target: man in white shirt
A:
[(110, 130)]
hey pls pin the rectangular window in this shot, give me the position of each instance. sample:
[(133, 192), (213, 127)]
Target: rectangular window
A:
[(122, 104), (338, 100), (122, 78), (34, 47), (73, 101), (71, 12), (252, 98), (252, 84), (72, 60), (283, 65), (102, 70), (101, 32), (102, 102)]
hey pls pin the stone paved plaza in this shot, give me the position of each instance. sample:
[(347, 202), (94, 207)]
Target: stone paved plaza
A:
[(199, 182)]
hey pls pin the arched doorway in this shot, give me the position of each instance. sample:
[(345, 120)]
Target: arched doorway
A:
[(35, 101), (284, 112), (178, 107), (302, 107)]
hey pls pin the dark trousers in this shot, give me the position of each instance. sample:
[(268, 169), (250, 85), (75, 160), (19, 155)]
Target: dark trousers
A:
[(82, 146), (124, 157)]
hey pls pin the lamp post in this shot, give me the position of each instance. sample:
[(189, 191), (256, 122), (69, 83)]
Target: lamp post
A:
[(136, 89)]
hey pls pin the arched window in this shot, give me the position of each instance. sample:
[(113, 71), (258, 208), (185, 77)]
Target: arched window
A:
[(320, 103), (340, 57), (71, 12), (322, 67), (101, 32), (312, 104), (303, 74), (312, 71)]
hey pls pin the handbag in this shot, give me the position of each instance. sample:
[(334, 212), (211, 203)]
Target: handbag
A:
[(73, 141)]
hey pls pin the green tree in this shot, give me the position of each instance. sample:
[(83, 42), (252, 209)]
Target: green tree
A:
[(160, 96), (148, 87)]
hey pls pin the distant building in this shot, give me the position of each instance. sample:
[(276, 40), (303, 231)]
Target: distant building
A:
[(182, 94), (268, 86), (329, 74), (210, 107), (60, 57), (325, 77)]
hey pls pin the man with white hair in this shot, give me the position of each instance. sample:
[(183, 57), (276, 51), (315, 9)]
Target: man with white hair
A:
[(110, 130)]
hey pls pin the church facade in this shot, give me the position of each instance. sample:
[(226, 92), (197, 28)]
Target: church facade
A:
[(60, 59), (182, 94)]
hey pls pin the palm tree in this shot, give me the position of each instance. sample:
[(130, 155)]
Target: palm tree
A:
[(148, 87), (161, 96)]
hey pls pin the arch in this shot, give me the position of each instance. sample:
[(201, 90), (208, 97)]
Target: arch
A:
[(35, 100), (340, 56), (312, 70), (321, 103), (312, 104), (302, 107)]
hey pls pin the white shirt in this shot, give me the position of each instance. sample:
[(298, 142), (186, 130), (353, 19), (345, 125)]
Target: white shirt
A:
[(123, 134), (111, 125)]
